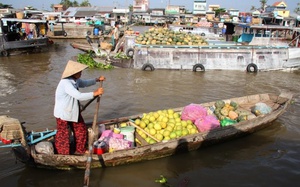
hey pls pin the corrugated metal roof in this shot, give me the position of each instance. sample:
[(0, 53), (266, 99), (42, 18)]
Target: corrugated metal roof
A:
[(85, 13)]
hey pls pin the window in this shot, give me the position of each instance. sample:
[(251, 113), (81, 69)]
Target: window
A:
[(240, 59), (261, 58)]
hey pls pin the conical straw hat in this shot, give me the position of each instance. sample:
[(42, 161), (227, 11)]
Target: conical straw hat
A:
[(72, 68)]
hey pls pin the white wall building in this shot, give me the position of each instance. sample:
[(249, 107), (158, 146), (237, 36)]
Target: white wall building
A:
[(200, 7), (140, 5)]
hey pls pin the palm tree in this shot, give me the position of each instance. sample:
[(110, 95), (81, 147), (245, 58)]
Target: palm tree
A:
[(253, 8), (85, 3), (263, 4), (130, 7), (66, 3), (5, 6), (219, 11), (75, 4)]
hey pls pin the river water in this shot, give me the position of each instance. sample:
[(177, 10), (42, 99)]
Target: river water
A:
[(270, 157)]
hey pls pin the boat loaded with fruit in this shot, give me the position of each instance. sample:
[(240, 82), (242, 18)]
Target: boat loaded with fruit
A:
[(150, 135)]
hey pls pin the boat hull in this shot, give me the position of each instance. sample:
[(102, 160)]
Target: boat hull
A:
[(7, 47), (86, 47), (215, 57)]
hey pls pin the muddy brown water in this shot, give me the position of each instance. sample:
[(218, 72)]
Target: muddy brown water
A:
[(270, 157)]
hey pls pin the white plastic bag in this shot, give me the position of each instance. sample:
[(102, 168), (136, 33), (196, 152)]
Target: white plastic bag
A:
[(44, 148)]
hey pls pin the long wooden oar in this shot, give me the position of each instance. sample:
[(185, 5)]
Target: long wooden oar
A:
[(87, 104), (93, 133)]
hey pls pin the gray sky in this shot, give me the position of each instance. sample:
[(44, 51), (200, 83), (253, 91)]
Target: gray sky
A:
[(242, 5)]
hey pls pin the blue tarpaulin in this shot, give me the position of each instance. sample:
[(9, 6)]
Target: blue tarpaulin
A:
[(245, 38)]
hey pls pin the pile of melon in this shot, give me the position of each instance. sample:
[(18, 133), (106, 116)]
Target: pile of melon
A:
[(164, 125), (165, 36)]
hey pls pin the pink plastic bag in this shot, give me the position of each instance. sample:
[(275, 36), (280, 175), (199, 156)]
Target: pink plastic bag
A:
[(207, 123), (193, 112), (109, 134)]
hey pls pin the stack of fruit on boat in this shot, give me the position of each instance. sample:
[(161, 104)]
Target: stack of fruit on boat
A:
[(167, 124), (165, 36), (164, 125), (230, 113)]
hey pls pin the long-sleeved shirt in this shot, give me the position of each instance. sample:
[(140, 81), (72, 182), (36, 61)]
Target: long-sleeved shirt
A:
[(67, 98), (116, 33)]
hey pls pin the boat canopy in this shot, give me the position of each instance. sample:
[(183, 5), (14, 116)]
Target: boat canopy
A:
[(23, 20)]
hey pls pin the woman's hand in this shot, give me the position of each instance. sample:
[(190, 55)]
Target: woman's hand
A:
[(99, 91), (101, 78)]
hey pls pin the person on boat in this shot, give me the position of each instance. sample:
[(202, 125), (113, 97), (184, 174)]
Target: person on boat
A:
[(116, 34), (67, 108)]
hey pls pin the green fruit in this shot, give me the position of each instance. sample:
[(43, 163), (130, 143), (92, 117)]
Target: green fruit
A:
[(185, 132), (173, 135), (219, 104), (234, 105), (178, 133)]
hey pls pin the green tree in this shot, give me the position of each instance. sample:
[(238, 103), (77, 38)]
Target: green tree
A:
[(130, 7), (66, 3), (263, 4), (253, 8), (5, 6), (219, 11), (75, 4), (85, 3), (30, 8)]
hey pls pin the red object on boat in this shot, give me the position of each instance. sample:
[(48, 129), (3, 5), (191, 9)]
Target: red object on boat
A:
[(99, 151), (5, 141)]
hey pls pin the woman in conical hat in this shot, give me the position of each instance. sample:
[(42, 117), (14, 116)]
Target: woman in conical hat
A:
[(67, 110)]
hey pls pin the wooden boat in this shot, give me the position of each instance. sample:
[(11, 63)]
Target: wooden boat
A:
[(11, 40), (91, 44), (103, 54), (25, 150), (83, 46)]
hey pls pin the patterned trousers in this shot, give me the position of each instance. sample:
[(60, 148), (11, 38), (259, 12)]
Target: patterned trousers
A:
[(62, 138)]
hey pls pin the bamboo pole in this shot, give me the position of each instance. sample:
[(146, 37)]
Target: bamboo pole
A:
[(93, 133)]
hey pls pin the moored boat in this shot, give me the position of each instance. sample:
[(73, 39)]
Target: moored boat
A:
[(83, 46), (255, 48), (25, 145), (21, 35)]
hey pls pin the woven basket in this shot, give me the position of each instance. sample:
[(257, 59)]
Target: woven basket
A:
[(11, 129)]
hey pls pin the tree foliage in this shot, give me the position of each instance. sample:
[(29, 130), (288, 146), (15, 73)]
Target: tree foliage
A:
[(263, 4), (85, 3), (297, 9), (5, 6), (130, 8), (219, 11), (68, 3)]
